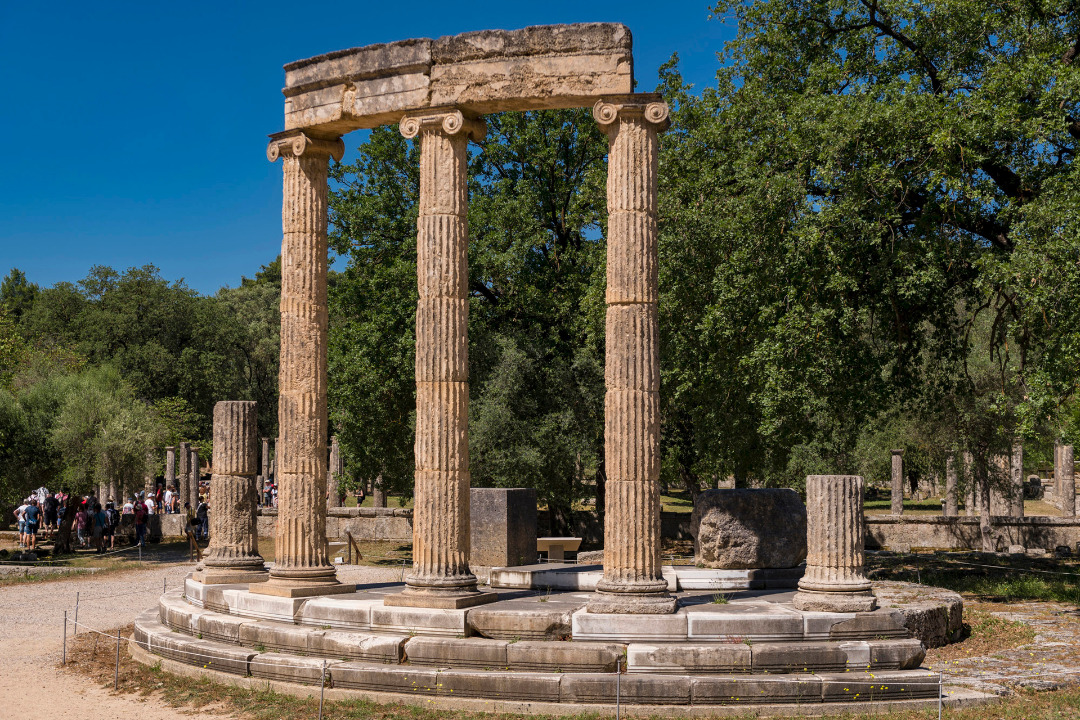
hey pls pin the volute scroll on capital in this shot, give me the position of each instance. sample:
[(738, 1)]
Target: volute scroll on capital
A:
[(650, 106), (451, 122), (299, 144)]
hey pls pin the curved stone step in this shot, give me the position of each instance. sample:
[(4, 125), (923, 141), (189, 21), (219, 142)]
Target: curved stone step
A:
[(764, 658), (565, 688)]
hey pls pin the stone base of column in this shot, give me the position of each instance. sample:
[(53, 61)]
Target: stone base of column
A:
[(636, 599), (834, 601), (229, 576), (439, 599), (295, 588)]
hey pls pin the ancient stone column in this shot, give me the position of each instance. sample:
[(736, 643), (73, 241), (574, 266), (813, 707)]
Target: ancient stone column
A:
[(112, 493), (378, 495), (1068, 482), (302, 564), (1057, 475), (264, 476), (897, 482), (233, 554), (440, 575), (1016, 504), (970, 506), (193, 478), (170, 470), (834, 580), (333, 475), (632, 581), (951, 505), (184, 461)]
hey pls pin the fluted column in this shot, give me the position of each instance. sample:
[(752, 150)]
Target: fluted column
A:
[(302, 565), (170, 470), (193, 477), (1016, 501), (440, 575), (233, 554), (951, 505), (897, 482), (264, 476), (1068, 482), (834, 580), (183, 461), (333, 475), (632, 581)]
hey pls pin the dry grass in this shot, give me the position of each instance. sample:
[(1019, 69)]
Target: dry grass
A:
[(985, 634)]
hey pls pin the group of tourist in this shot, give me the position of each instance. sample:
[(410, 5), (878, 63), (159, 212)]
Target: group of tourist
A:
[(95, 526)]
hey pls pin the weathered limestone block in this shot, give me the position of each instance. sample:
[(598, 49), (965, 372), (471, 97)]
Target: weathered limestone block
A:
[(503, 526), (834, 580), (548, 66), (737, 529), (933, 615)]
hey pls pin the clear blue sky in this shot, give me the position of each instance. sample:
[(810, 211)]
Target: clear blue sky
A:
[(135, 132)]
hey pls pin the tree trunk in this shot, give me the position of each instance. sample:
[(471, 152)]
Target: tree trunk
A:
[(691, 481), (63, 536)]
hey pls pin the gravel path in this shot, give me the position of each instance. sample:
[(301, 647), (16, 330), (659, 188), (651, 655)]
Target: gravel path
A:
[(31, 633)]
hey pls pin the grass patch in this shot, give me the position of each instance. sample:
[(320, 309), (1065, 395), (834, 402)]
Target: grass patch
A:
[(987, 577), (984, 634), (94, 657)]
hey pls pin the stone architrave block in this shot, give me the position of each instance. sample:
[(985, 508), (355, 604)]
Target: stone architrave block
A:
[(503, 526), (547, 66), (744, 528)]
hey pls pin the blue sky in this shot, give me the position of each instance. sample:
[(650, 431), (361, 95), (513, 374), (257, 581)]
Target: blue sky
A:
[(135, 132)]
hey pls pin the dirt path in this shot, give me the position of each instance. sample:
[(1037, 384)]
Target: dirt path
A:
[(31, 635)]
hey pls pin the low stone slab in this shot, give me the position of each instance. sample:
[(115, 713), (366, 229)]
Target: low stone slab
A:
[(737, 623), (896, 685), (263, 607), (629, 628), (352, 611), (221, 628), (536, 621), (454, 653), (934, 615), (386, 649), (810, 657), (684, 658), (399, 679), (633, 689), (563, 656), (289, 668), (178, 614), (535, 687), (548, 576), (754, 690), (157, 639), (426, 621), (266, 635), (883, 622), (899, 654)]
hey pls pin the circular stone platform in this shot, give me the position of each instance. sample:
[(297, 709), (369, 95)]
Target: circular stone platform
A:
[(540, 651)]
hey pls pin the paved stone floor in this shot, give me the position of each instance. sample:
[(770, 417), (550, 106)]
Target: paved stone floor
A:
[(1050, 662)]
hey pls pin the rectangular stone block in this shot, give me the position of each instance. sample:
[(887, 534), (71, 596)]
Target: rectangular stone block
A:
[(503, 526), (289, 668), (222, 628), (631, 628), (352, 611), (178, 615), (428, 621), (741, 622), (546, 621), (563, 656), (269, 636), (532, 687), (796, 657), (545, 576), (385, 649), (885, 685), (883, 622), (819, 625), (265, 607), (681, 658), (633, 689), (394, 679), (898, 654), (750, 689), (456, 653)]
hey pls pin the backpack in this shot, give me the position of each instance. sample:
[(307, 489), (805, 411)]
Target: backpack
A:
[(111, 518), (140, 513)]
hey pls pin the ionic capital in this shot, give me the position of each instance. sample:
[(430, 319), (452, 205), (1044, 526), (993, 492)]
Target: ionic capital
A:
[(649, 106), (450, 121), (296, 143)]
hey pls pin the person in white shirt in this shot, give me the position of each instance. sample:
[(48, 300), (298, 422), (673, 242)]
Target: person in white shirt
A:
[(168, 500), (129, 507), (149, 505)]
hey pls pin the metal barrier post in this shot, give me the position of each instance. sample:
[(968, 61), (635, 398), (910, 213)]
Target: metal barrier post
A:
[(64, 657), (940, 680), (76, 629), (618, 687), (322, 688), (116, 673)]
